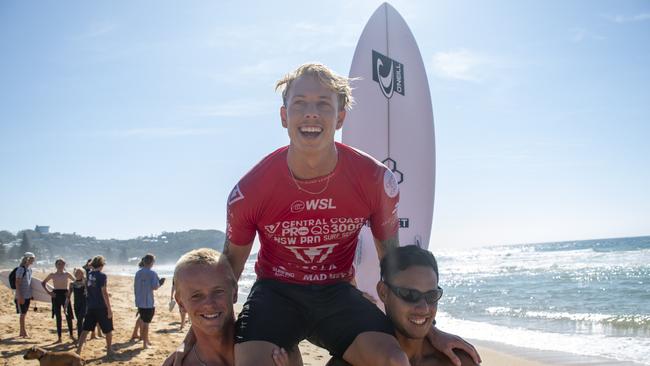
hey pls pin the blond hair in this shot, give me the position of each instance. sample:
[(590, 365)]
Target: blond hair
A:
[(333, 81), (203, 256), (98, 261)]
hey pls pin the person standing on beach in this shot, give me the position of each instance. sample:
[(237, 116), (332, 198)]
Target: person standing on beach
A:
[(145, 283), (98, 306), (135, 335), (78, 288), (60, 296), (88, 268), (23, 294), (181, 310), (308, 202)]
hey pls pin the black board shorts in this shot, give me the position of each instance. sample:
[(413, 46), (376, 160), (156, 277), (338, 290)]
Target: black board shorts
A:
[(22, 309), (98, 316), (329, 316), (146, 314)]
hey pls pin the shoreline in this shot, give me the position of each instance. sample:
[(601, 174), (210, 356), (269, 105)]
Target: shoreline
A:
[(166, 336)]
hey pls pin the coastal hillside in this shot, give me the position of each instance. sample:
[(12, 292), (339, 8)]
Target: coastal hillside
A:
[(167, 246)]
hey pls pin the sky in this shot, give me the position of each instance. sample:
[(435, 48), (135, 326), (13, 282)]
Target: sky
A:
[(121, 119)]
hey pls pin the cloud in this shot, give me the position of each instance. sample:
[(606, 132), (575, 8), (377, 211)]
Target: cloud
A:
[(165, 132), (234, 108), (628, 18), (99, 29), (460, 64), (577, 35)]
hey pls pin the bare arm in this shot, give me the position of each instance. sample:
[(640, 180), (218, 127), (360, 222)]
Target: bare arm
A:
[(107, 301), (19, 293), (237, 256), (384, 246), (44, 283), (447, 343)]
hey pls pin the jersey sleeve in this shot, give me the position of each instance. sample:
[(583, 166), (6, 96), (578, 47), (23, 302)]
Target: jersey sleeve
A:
[(241, 224), (384, 221)]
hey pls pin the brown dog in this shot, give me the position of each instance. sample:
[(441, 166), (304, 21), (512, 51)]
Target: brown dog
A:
[(47, 358)]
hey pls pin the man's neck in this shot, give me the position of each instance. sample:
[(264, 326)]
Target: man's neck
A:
[(217, 350), (312, 165)]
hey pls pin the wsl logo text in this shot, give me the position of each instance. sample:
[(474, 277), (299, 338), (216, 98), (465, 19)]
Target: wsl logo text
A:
[(388, 73)]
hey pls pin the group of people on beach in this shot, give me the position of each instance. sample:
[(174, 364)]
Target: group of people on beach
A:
[(85, 292), (307, 203)]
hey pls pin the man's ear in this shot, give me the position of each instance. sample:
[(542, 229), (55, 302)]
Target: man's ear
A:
[(178, 301), (283, 116), (340, 118), (382, 291)]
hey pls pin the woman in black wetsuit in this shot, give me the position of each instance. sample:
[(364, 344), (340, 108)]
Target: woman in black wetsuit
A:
[(78, 288)]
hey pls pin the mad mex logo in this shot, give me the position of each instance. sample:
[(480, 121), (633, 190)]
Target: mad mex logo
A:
[(388, 73)]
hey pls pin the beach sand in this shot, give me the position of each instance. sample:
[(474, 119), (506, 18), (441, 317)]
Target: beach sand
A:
[(164, 333)]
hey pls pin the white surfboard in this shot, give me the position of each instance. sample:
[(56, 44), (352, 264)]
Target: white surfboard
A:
[(392, 120), (38, 293)]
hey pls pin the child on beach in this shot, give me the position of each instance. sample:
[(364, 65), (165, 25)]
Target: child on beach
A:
[(60, 296), (98, 306), (23, 294), (146, 281), (78, 288), (181, 310)]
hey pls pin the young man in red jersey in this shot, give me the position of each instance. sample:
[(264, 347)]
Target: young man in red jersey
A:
[(308, 202)]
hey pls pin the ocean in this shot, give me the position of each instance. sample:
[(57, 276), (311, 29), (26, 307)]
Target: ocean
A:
[(589, 298)]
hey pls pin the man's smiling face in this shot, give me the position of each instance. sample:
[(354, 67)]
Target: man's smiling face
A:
[(312, 114), (207, 293), (413, 320)]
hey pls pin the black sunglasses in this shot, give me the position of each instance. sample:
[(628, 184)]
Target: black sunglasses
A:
[(413, 296)]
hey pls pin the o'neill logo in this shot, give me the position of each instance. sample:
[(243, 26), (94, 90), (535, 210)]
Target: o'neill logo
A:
[(313, 254), (388, 73)]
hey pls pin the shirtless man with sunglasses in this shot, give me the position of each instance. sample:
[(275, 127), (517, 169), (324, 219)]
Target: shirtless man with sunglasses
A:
[(410, 292)]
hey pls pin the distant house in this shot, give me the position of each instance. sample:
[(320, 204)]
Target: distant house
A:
[(42, 229)]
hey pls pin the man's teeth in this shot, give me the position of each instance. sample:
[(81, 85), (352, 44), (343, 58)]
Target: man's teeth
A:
[(210, 316), (311, 129), (418, 321)]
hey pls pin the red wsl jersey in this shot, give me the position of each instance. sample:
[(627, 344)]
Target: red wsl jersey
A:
[(309, 229)]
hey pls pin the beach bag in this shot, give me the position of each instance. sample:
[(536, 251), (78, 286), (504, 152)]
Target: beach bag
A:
[(12, 277)]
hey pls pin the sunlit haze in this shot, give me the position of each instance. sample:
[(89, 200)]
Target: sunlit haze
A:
[(120, 119)]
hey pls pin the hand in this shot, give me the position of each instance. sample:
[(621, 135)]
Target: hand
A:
[(110, 314), (446, 343), (51, 293), (280, 357), (21, 300)]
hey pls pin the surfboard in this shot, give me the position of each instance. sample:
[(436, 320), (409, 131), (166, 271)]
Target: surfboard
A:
[(38, 293), (392, 121)]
